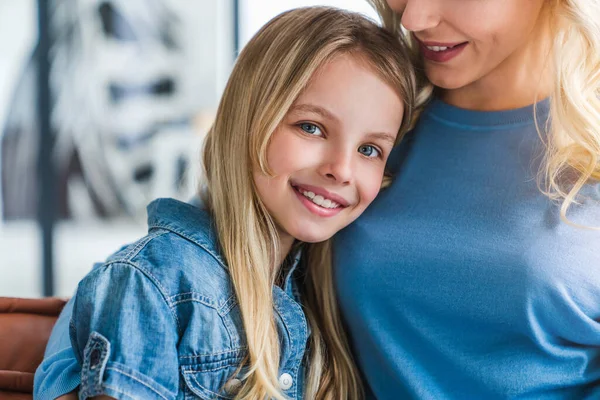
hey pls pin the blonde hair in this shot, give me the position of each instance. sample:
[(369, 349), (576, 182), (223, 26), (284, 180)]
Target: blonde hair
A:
[(270, 73), (572, 131), (573, 145)]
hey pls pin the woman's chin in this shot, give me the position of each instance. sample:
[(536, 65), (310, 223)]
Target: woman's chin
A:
[(445, 78)]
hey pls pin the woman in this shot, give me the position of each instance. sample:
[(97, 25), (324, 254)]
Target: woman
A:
[(476, 275)]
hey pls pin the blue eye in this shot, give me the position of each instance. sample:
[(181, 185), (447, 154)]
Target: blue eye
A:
[(368, 151), (311, 129)]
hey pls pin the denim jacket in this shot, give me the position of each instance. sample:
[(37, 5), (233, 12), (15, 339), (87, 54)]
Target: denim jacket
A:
[(160, 320)]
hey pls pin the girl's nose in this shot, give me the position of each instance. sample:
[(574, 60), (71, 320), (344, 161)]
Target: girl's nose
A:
[(338, 166)]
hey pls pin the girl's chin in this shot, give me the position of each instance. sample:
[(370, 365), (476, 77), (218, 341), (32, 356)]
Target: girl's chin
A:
[(312, 237)]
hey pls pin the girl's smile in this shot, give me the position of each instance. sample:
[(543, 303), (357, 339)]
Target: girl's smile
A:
[(319, 201)]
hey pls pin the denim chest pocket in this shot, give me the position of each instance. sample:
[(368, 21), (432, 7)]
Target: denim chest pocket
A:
[(216, 376)]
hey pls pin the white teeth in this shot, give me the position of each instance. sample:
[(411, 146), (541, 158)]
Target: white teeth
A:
[(320, 200), (438, 48)]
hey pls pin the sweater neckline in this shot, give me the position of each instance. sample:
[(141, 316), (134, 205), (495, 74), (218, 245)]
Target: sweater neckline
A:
[(445, 112)]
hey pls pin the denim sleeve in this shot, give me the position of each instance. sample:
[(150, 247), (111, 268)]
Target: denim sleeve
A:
[(58, 374), (124, 335)]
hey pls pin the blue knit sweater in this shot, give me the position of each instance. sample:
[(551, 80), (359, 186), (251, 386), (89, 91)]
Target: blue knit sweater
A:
[(460, 281)]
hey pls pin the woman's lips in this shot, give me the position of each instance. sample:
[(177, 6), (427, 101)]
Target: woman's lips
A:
[(434, 51)]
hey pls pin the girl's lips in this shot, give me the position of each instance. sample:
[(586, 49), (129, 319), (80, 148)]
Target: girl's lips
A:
[(314, 208), (323, 192)]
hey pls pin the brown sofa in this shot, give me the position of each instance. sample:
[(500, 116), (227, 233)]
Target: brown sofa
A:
[(25, 326)]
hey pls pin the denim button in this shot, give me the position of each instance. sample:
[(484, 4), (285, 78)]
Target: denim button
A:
[(94, 358), (285, 381)]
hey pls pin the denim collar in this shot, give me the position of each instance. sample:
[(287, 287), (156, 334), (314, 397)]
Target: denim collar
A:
[(292, 278), (191, 222), (194, 223)]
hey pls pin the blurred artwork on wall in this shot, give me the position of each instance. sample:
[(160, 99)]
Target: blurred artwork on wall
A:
[(129, 78)]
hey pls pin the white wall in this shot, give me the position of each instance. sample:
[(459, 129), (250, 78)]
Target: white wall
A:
[(255, 13), (18, 32), (78, 244)]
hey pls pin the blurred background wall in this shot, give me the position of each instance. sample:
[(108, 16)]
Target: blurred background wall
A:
[(134, 85)]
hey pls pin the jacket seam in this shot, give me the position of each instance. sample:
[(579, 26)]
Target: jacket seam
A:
[(190, 239), (207, 390), (235, 350), (155, 282), (124, 373), (194, 299), (228, 305), (130, 254)]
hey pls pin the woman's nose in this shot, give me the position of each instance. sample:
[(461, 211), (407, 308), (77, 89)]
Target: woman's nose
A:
[(420, 15)]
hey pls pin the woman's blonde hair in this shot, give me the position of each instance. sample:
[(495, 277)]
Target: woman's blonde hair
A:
[(573, 145), (270, 73), (572, 131)]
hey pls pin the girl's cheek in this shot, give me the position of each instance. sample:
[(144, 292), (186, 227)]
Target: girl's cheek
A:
[(372, 185)]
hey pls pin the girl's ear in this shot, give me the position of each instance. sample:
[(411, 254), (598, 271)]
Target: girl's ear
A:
[(387, 179)]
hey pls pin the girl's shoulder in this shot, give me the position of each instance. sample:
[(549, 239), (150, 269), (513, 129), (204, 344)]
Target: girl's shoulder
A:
[(180, 254), (167, 296)]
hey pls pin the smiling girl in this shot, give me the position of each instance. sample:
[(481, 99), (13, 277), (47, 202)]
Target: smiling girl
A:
[(233, 299)]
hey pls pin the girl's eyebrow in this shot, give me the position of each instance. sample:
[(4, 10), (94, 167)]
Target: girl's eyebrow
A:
[(383, 136), (314, 109)]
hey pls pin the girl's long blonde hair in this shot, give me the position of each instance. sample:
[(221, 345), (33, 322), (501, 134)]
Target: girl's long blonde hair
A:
[(572, 132), (269, 74)]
